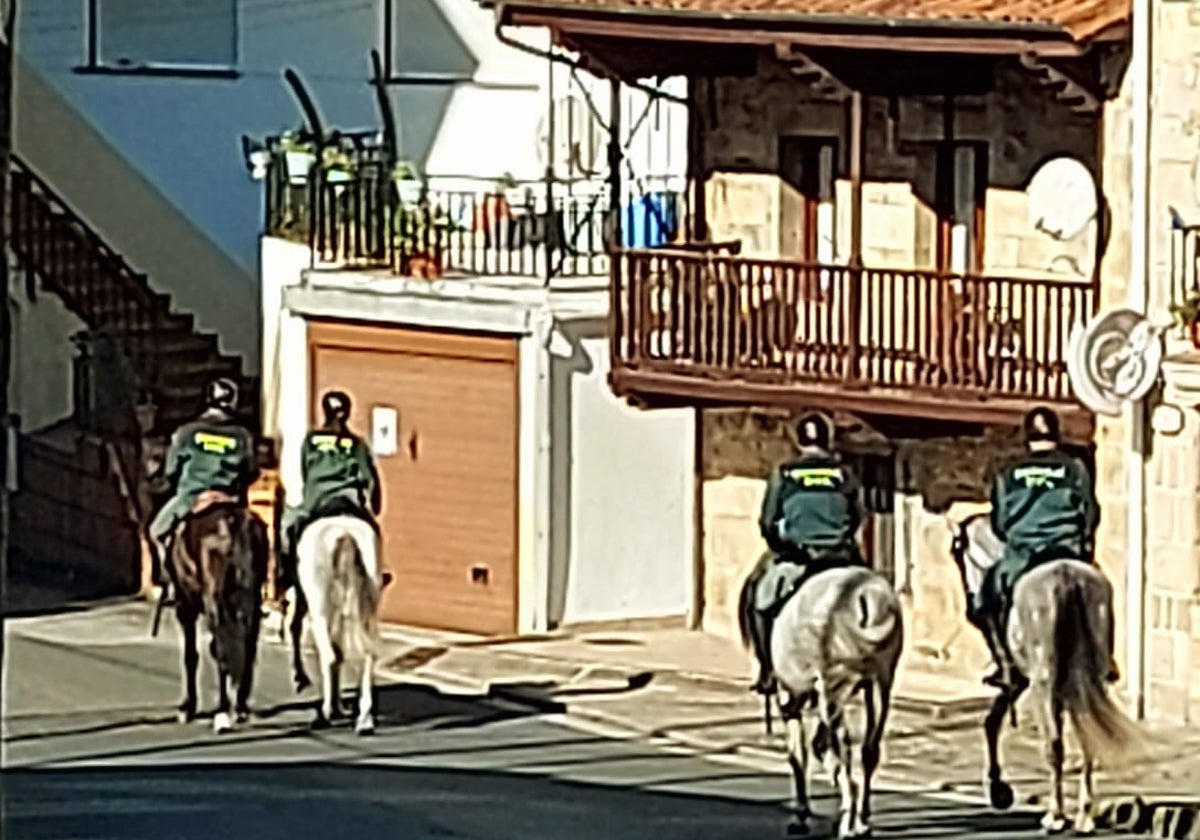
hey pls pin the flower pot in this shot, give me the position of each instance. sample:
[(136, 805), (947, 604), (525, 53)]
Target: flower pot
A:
[(299, 164), (424, 265), (1194, 333), (409, 190)]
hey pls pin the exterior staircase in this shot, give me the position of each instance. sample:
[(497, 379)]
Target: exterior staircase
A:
[(170, 359)]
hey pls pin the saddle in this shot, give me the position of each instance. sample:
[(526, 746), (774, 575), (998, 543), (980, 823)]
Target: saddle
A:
[(210, 499)]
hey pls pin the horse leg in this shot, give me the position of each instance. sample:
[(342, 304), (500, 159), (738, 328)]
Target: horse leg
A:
[(242, 703), (1085, 820), (296, 626), (1000, 793), (191, 661), (222, 720), (1055, 820), (877, 699), (839, 760), (329, 667), (365, 724), (797, 750)]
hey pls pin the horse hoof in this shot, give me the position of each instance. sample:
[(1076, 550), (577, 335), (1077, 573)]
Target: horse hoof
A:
[(242, 715), (365, 725), (1000, 793), (1085, 828), (1053, 825), (319, 721), (185, 713), (302, 682), (222, 723), (797, 828)]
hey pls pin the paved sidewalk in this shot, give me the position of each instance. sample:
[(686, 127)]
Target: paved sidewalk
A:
[(693, 688)]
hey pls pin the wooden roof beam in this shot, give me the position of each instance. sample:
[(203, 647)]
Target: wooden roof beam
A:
[(1001, 42)]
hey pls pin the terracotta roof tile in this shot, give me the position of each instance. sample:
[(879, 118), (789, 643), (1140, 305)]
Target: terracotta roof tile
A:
[(1080, 18)]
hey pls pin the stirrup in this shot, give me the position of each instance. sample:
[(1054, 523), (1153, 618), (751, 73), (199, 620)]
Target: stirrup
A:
[(765, 684)]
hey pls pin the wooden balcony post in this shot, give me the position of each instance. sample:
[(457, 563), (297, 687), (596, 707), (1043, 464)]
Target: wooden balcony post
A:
[(614, 161), (853, 310), (698, 220)]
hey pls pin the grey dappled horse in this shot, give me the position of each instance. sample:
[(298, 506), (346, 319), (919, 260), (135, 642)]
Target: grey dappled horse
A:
[(339, 577), (840, 632), (1060, 635)]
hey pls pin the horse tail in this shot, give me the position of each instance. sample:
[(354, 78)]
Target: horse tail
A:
[(746, 608), (353, 599), (1081, 666), (875, 617), (231, 605)]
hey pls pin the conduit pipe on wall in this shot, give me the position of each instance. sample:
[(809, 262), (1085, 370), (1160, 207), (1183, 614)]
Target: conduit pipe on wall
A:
[(1138, 295), (549, 55)]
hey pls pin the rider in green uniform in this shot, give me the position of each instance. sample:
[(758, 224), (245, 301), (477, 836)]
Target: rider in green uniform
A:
[(810, 515), (213, 452), (1043, 508), (339, 479)]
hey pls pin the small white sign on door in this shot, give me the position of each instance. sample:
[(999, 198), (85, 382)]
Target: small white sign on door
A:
[(384, 420)]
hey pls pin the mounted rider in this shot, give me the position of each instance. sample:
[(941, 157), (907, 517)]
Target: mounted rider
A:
[(339, 477), (212, 453), (1043, 508), (810, 516)]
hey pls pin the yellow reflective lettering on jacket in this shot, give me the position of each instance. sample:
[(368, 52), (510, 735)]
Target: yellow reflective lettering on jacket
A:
[(211, 442), (1039, 476), (331, 443), (815, 476)]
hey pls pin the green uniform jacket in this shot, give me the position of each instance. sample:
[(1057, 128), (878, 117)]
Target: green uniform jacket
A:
[(819, 501), (211, 454), (338, 467), (1042, 502)]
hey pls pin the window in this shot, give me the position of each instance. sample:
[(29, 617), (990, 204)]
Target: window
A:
[(163, 35), (422, 45)]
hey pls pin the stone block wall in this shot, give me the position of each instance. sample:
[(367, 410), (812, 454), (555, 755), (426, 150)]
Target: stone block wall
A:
[(1022, 124)]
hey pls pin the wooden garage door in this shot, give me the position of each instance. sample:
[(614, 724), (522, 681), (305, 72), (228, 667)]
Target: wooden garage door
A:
[(450, 491)]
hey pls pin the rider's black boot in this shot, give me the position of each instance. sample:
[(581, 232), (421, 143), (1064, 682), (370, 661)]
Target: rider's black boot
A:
[(761, 638)]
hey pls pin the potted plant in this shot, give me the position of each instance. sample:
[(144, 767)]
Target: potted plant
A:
[(339, 168), (417, 241), (299, 156), (1187, 315), (409, 186), (513, 192)]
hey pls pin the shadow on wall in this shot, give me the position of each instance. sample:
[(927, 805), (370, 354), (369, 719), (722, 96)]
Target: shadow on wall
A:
[(563, 372), (133, 216)]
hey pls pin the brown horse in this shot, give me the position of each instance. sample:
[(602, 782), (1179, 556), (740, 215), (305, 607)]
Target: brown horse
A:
[(218, 565)]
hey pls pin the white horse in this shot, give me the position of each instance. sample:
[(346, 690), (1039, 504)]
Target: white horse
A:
[(840, 632), (339, 577)]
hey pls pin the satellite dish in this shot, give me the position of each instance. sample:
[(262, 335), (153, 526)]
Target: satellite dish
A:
[(579, 139), (1114, 359), (1062, 198)]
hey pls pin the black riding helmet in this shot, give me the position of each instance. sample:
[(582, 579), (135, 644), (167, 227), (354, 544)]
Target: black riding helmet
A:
[(1041, 424), (814, 429), (335, 405), (222, 394)]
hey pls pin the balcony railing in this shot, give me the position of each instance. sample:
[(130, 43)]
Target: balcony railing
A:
[(355, 214), (727, 318), (1185, 263)]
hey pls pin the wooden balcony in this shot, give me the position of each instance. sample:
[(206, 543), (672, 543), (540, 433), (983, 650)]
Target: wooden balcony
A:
[(691, 327)]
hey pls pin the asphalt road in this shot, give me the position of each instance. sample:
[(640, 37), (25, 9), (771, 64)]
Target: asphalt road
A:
[(91, 750)]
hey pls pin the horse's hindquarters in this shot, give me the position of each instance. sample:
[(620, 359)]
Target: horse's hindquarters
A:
[(841, 622)]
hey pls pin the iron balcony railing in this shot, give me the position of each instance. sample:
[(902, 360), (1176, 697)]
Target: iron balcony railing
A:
[(354, 212), (684, 314)]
